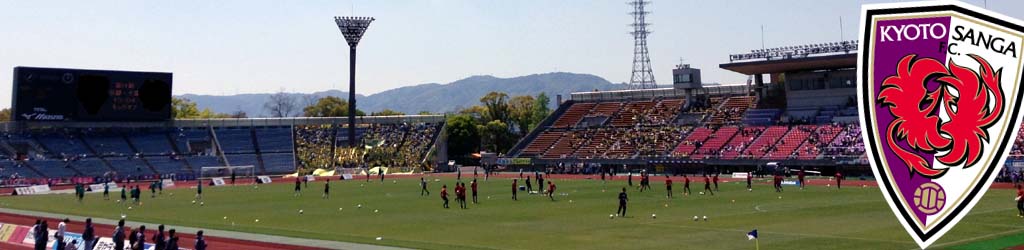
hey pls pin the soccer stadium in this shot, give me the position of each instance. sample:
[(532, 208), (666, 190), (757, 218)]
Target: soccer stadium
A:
[(90, 157)]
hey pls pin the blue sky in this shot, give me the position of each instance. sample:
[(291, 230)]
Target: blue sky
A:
[(229, 47)]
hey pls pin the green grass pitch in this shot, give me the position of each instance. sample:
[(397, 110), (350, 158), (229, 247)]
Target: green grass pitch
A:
[(816, 218)]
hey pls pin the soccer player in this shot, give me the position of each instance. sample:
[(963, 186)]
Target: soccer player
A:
[(172, 241), (160, 186), (515, 189), (233, 177), (472, 185), (686, 184), (668, 186), (327, 189), (200, 241), (839, 180), (118, 235), (602, 176), (707, 185), (88, 235), (423, 187), (777, 180), (1020, 201), (152, 189), (630, 179), (380, 172), (444, 195), (622, 203), (199, 190), (540, 182), (80, 191), (305, 181), (715, 180), (750, 178), (800, 177), (529, 187), (461, 193), (551, 190), (158, 238), (124, 197), (106, 193), (298, 186)]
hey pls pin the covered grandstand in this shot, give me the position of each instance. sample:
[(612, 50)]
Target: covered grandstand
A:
[(61, 152)]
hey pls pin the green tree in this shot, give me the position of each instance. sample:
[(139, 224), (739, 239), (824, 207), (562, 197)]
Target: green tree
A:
[(477, 112), (330, 106), (387, 112), (424, 113), (521, 113), (540, 108), (463, 137), (5, 115), (497, 106), (495, 136), (182, 108)]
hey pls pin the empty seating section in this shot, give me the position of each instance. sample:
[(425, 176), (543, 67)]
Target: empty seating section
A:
[(167, 164), (279, 163), (186, 135), (274, 140), (692, 141), (151, 143), (606, 109), (242, 160), (573, 115), (565, 145), (785, 147), (715, 142), (235, 140), (129, 166), (742, 141), (63, 144), (631, 114), (108, 143), (91, 167), (198, 162), (542, 143), (762, 145), (53, 167)]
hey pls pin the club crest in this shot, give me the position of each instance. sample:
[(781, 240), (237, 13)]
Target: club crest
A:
[(939, 94)]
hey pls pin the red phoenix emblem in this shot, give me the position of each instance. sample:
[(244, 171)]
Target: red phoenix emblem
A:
[(973, 101)]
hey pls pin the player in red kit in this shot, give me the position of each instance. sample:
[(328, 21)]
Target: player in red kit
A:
[(686, 185), (839, 180), (444, 195), (1020, 201), (472, 185), (707, 185), (668, 186), (715, 180), (515, 188), (551, 190)]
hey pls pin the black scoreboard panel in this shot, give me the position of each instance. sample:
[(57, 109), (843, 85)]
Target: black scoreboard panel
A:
[(49, 94)]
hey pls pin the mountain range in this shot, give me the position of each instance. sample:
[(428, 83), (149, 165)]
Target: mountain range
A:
[(432, 97)]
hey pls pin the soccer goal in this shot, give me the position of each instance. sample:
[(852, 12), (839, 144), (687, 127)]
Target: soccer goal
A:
[(223, 173)]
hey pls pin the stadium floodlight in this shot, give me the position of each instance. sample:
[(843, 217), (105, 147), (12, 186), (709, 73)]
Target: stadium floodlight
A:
[(352, 28)]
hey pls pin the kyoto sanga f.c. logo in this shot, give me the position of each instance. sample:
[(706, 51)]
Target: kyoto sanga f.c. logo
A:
[(939, 94)]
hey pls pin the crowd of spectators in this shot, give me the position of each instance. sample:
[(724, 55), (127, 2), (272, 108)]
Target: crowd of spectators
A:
[(387, 145)]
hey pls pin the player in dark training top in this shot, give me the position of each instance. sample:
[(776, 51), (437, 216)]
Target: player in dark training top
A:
[(622, 203)]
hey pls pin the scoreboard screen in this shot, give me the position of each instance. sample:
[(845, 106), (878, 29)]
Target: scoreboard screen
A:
[(49, 94)]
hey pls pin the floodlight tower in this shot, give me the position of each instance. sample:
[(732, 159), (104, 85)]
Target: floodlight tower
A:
[(352, 28), (643, 76)]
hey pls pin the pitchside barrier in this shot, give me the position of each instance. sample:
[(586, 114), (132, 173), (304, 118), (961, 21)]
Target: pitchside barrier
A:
[(30, 190), (310, 178), (263, 179), (167, 183), (740, 175), (99, 187), (218, 181)]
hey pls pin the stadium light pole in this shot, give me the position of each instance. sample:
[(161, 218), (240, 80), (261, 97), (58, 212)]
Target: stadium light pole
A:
[(352, 28)]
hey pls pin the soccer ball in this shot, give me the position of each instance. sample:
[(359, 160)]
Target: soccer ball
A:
[(654, 216), (733, 201), (193, 201), (611, 216), (750, 190), (129, 208), (202, 203), (394, 182), (300, 211), (359, 206), (780, 197), (339, 209), (375, 210), (225, 217), (380, 238), (828, 185), (257, 220), (666, 204), (695, 218), (701, 193), (123, 216), (119, 201), (570, 201), (705, 218)]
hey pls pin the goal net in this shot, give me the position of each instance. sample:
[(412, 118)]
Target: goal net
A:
[(243, 173)]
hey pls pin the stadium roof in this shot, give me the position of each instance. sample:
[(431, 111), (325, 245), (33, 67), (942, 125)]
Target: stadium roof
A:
[(792, 64)]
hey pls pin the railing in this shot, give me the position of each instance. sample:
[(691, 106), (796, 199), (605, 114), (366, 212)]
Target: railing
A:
[(225, 122)]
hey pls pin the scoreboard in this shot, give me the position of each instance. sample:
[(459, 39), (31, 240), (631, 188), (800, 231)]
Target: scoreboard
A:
[(51, 94)]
